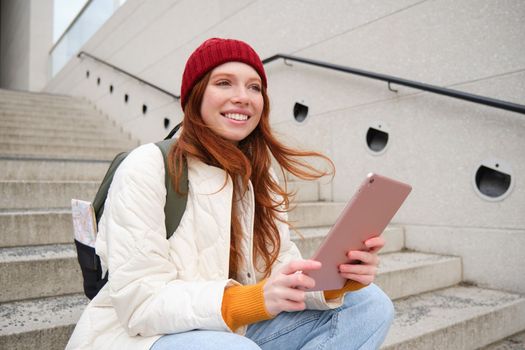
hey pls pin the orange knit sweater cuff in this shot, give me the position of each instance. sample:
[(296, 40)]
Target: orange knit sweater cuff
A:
[(243, 305), (350, 286)]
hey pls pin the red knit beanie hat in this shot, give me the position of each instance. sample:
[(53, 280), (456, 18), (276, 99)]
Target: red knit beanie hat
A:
[(212, 53)]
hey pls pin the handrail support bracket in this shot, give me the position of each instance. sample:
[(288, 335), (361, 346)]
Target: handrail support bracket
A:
[(390, 87)]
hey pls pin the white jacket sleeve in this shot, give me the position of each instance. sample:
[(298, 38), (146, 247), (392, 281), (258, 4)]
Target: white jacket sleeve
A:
[(144, 288)]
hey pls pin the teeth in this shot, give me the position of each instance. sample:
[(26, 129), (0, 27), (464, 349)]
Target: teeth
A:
[(236, 116)]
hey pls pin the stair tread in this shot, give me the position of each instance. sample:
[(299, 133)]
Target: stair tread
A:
[(514, 342), (40, 158), (47, 182), (39, 314), (389, 262), (65, 156), (427, 313), (398, 261), (36, 253), (43, 94), (17, 139), (34, 211)]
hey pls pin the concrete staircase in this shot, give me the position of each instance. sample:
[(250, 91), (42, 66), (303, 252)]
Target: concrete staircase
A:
[(52, 148), (46, 159)]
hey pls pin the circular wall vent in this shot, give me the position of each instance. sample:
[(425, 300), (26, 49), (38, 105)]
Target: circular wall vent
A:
[(493, 180), (300, 112), (377, 137)]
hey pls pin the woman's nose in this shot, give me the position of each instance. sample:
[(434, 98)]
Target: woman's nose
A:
[(240, 95)]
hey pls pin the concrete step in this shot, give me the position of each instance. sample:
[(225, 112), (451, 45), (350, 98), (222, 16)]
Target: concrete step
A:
[(41, 323), (50, 103), (35, 227), (22, 108), (16, 95), (53, 268), (53, 132), (42, 261), (41, 122), (69, 140), (514, 342), (402, 274), (51, 169), (30, 108), (304, 191), (91, 152), (20, 227), (27, 102), (49, 226), (54, 118), (16, 194), (314, 236), (315, 214), (39, 97), (459, 317)]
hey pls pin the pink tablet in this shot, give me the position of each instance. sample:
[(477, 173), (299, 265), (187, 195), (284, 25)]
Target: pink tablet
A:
[(365, 216)]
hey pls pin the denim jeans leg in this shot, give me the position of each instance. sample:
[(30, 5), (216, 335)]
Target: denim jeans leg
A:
[(204, 340), (362, 322)]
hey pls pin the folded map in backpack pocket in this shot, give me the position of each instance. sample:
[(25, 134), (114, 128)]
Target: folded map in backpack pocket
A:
[(84, 222)]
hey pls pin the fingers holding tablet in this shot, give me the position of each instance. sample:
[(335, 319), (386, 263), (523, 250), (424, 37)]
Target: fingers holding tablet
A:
[(364, 271), (364, 258), (283, 291), (300, 265), (375, 244)]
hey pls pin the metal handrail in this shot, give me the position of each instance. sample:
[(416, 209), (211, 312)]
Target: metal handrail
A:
[(509, 106), (492, 102), (83, 53)]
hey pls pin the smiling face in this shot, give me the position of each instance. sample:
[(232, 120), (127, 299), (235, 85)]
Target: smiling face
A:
[(232, 104)]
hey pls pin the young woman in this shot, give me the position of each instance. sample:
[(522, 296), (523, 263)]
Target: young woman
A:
[(228, 277)]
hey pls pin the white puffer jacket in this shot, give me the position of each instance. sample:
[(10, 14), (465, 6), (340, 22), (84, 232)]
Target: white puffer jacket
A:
[(160, 286)]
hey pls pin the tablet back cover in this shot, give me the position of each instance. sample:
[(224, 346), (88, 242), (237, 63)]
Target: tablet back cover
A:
[(365, 216)]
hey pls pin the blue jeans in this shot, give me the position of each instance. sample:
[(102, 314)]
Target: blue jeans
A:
[(362, 322)]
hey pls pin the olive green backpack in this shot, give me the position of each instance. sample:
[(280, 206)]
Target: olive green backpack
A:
[(174, 209)]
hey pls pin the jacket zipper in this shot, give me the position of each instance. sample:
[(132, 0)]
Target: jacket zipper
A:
[(251, 265)]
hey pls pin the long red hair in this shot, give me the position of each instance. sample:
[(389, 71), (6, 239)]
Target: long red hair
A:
[(249, 160)]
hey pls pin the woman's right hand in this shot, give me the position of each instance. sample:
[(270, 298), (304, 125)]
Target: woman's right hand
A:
[(283, 290)]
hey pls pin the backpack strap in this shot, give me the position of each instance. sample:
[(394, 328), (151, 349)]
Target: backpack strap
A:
[(173, 210), (102, 193), (175, 202)]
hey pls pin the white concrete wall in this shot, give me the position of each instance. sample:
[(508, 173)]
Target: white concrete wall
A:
[(26, 37), (436, 143)]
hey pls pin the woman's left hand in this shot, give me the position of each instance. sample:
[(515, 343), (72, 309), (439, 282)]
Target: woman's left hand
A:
[(365, 269)]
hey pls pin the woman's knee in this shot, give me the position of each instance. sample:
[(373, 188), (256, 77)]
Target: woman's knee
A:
[(236, 342), (204, 340), (382, 304), (373, 302)]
